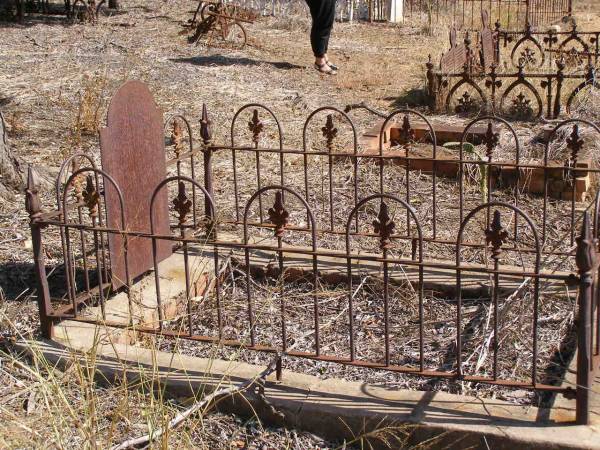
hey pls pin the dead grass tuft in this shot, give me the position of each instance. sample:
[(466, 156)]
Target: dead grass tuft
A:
[(89, 109)]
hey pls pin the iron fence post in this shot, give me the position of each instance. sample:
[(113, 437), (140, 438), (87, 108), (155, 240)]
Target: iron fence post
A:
[(586, 259), (206, 134), (33, 205), (431, 86)]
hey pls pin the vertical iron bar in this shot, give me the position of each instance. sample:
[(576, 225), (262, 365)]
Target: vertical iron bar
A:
[(186, 266), (249, 297), (34, 209), (495, 306), (83, 253), (386, 311), (218, 292), (586, 259), (99, 270), (157, 284), (282, 282), (350, 305), (206, 135), (316, 302)]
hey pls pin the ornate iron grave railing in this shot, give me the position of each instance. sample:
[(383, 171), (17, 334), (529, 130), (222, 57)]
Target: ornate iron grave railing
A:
[(541, 74), (511, 14), (83, 10), (327, 217)]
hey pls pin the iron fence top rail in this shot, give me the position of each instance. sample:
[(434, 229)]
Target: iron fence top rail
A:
[(45, 220), (231, 244)]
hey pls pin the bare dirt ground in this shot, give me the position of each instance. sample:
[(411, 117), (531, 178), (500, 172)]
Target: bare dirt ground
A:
[(55, 81)]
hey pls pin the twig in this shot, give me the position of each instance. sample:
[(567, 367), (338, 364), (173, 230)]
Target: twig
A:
[(178, 420)]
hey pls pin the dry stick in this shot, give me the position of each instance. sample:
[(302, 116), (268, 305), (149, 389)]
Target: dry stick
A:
[(178, 420)]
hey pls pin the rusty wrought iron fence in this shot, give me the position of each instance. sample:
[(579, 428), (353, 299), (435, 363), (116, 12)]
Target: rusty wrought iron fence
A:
[(328, 206), (523, 75), (510, 14), (541, 49)]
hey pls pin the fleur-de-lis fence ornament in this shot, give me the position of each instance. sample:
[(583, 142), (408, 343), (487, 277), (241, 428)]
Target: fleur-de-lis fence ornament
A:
[(528, 57), (182, 204), (496, 235), (177, 138), (278, 215), (491, 140), (521, 107), (466, 104), (384, 226), (329, 132), (551, 38), (255, 126), (406, 135), (406, 130), (91, 197), (574, 144)]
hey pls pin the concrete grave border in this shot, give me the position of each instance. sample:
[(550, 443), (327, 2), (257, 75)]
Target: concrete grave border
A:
[(332, 408)]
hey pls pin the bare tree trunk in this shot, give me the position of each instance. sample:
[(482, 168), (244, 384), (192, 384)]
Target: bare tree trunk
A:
[(11, 173)]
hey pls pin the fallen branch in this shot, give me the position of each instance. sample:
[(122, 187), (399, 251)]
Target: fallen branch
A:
[(178, 420)]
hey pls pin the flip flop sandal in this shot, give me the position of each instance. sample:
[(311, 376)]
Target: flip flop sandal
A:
[(332, 65), (325, 68)]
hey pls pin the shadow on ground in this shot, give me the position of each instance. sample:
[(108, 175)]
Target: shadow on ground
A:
[(410, 98), (18, 280), (221, 60)]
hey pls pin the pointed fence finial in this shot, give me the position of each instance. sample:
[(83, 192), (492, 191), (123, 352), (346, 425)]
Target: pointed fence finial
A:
[(205, 126), (32, 199)]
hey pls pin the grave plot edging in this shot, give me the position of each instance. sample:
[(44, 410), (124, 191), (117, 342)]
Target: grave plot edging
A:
[(332, 408)]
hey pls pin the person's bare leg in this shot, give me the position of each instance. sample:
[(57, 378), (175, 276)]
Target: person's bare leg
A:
[(322, 66), (329, 63)]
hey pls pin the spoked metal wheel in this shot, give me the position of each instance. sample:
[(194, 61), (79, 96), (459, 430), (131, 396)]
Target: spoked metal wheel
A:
[(236, 36)]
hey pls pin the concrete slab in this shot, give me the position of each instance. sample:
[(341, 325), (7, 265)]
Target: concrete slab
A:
[(144, 306), (337, 408), (333, 269)]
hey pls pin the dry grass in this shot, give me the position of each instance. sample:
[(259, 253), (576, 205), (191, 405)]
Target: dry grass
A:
[(89, 109), (55, 83), (45, 406)]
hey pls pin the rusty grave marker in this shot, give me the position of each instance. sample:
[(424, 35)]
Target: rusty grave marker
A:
[(488, 53), (454, 60), (133, 153)]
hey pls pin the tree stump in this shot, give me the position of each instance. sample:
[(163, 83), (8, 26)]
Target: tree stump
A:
[(11, 172)]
